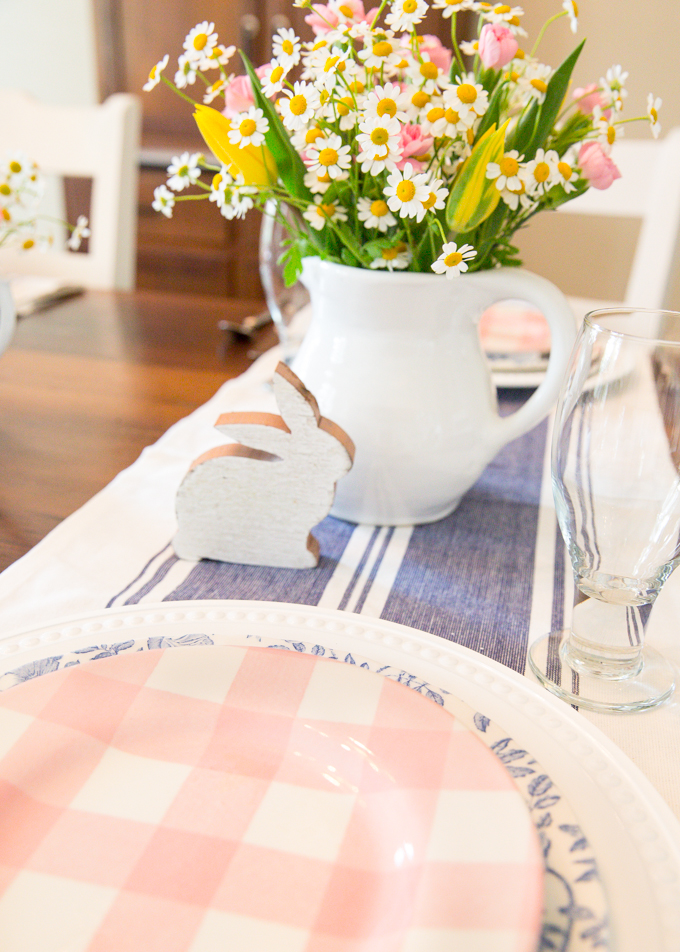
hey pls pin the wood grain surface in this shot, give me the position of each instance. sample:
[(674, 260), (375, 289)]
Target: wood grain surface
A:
[(86, 385)]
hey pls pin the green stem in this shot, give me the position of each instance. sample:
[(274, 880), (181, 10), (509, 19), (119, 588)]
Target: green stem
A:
[(454, 43), (178, 91), (562, 13)]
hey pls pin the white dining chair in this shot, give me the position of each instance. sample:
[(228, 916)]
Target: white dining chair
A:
[(99, 142), (648, 190)]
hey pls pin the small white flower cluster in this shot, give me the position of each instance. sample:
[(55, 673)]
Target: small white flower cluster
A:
[(21, 189)]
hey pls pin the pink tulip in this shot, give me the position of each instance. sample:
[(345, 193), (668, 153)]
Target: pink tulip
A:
[(438, 53), (324, 18), (238, 96), (596, 166), (413, 142), (497, 46), (587, 97)]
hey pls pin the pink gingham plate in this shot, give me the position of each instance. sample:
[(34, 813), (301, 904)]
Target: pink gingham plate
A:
[(246, 798)]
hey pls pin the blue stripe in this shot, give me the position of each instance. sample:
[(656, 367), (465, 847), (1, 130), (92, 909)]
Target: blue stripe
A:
[(137, 577), (358, 570)]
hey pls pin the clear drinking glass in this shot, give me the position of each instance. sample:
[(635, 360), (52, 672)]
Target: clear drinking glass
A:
[(616, 482), (289, 307)]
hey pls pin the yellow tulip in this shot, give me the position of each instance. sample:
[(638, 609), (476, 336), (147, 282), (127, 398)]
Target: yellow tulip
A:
[(255, 164), (474, 197)]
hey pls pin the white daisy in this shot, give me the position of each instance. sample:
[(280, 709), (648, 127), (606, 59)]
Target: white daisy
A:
[(405, 14), (272, 81), (321, 212), (186, 72), (505, 172), (184, 171), (444, 120), (163, 201), (514, 197), (653, 106), (534, 80), (607, 132), (299, 105), (449, 7), (505, 15), (318, 184), (200, 42), (397, 257), (468, 98), (219, 56), (540, 174), (286, 47), (379, 143), (437, 197), (328, 155), (567, 174), (407, 191), (241, 198), (375, 214), (383, 52), (343, 111), (453, 260), (387, 100), (612, 86), (219, 187), (215, 89), (572, 10), (426, 75), (248, 128), (79, 232), (155, 74)]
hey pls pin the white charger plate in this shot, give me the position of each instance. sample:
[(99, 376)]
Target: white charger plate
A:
[(633, 833)]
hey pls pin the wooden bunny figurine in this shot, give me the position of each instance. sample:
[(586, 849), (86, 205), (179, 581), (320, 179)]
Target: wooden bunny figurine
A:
[(256, 501)]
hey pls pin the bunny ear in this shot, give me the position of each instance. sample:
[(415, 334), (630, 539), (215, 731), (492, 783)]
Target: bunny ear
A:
[(260, 431), (298, 406)]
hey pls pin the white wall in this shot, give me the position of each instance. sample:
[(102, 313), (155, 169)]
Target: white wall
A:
[(47, 48)]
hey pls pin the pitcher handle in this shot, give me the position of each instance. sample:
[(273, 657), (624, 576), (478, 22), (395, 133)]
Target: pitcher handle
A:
[(7, 315), (508, 283)]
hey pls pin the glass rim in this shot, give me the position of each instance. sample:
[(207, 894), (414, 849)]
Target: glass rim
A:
[(626, 310)]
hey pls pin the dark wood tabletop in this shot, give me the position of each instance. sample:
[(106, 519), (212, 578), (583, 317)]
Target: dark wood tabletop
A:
[(88, 383)]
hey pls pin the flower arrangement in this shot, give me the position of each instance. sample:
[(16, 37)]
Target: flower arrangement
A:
[(391, 150), (21, 189)]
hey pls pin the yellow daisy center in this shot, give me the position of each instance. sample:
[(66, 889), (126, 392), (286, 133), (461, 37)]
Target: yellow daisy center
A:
[(466, 93), (276, 74), (653, 114), (541, 171), (5, 189), (183, 170), (327, 210), (409, 6), (15, 167), (453, 259), (430, 201), (538, 84), (319, 45), (501, 8), (574, 7), (312, 135), (287, 47), (330, 63), (453, 3), (328, 157), (514, 21), (429, 70), (387, 106), (452, 116), (420, 99), (564, 170), (379, 208), (509, 166), (152, 73), (380, 136), (28, 244), (200, 41), (217, 181), (382, 48), (324, 178), (346, 11), (324, 96), (470, 136), (389, 254), (406, 191), (6, 215), (611, 135), (298, 105), (434, 114), (356, 87), (344, 105), (247, 127)]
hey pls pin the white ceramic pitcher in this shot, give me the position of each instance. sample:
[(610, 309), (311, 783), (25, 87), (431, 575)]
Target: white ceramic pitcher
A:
[(7, 315), (395, 359)]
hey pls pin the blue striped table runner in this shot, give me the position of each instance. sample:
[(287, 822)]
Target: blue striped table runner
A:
[(468, 578)]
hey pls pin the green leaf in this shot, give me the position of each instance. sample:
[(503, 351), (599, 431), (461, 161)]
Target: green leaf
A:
[(493, 113), (292, 259), (290, 165), (536, 125)]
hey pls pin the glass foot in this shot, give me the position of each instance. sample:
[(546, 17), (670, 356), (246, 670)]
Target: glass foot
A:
[(652, 683)]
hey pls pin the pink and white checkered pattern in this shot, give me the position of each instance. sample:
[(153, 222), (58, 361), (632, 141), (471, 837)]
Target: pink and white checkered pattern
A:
[(249, 799)]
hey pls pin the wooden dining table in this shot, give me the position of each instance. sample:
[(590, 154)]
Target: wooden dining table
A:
[(88, 383)]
